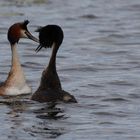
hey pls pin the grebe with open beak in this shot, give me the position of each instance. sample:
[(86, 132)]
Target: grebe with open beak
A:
[(50, 89), (15, 83)]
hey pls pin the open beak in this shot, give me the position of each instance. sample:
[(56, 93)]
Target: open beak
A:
[(29, 35), (38, 48)]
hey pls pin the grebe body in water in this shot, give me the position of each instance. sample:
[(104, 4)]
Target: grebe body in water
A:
[(50, 89), (15, 83)]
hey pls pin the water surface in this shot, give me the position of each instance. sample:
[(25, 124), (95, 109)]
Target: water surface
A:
[(98, 62)]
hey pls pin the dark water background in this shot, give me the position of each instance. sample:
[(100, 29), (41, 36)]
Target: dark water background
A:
[(98, 62)]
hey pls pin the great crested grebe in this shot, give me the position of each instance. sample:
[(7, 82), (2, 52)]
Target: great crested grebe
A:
[(15, 83), (50, 90)]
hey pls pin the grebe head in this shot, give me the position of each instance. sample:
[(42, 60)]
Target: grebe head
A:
[(48, 35), (19, 30)]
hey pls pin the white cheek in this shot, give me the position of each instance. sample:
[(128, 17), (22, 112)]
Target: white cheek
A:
[(22, 34)]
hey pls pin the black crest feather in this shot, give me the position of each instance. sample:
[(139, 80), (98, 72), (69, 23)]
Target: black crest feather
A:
[(48, 35), (26, 22)]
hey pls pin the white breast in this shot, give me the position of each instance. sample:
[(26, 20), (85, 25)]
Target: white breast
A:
[(16, 91)]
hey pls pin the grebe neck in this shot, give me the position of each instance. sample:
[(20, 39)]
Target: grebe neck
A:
[(15, 58), (52, 62), (50, 78), (16, 75)]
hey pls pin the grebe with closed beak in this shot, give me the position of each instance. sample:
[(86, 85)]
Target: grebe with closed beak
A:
[(15, 83), (50, 89)]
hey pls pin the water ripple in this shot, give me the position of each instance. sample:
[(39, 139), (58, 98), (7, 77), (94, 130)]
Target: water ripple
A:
[(121, 83), (80, 68), (110, 114), (46, 132), (32, 65), (116, 99), (89, 16)]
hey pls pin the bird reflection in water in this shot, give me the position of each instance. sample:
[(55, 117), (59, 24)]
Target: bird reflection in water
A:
[(44, 127), (41, 117), (50, 112)]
